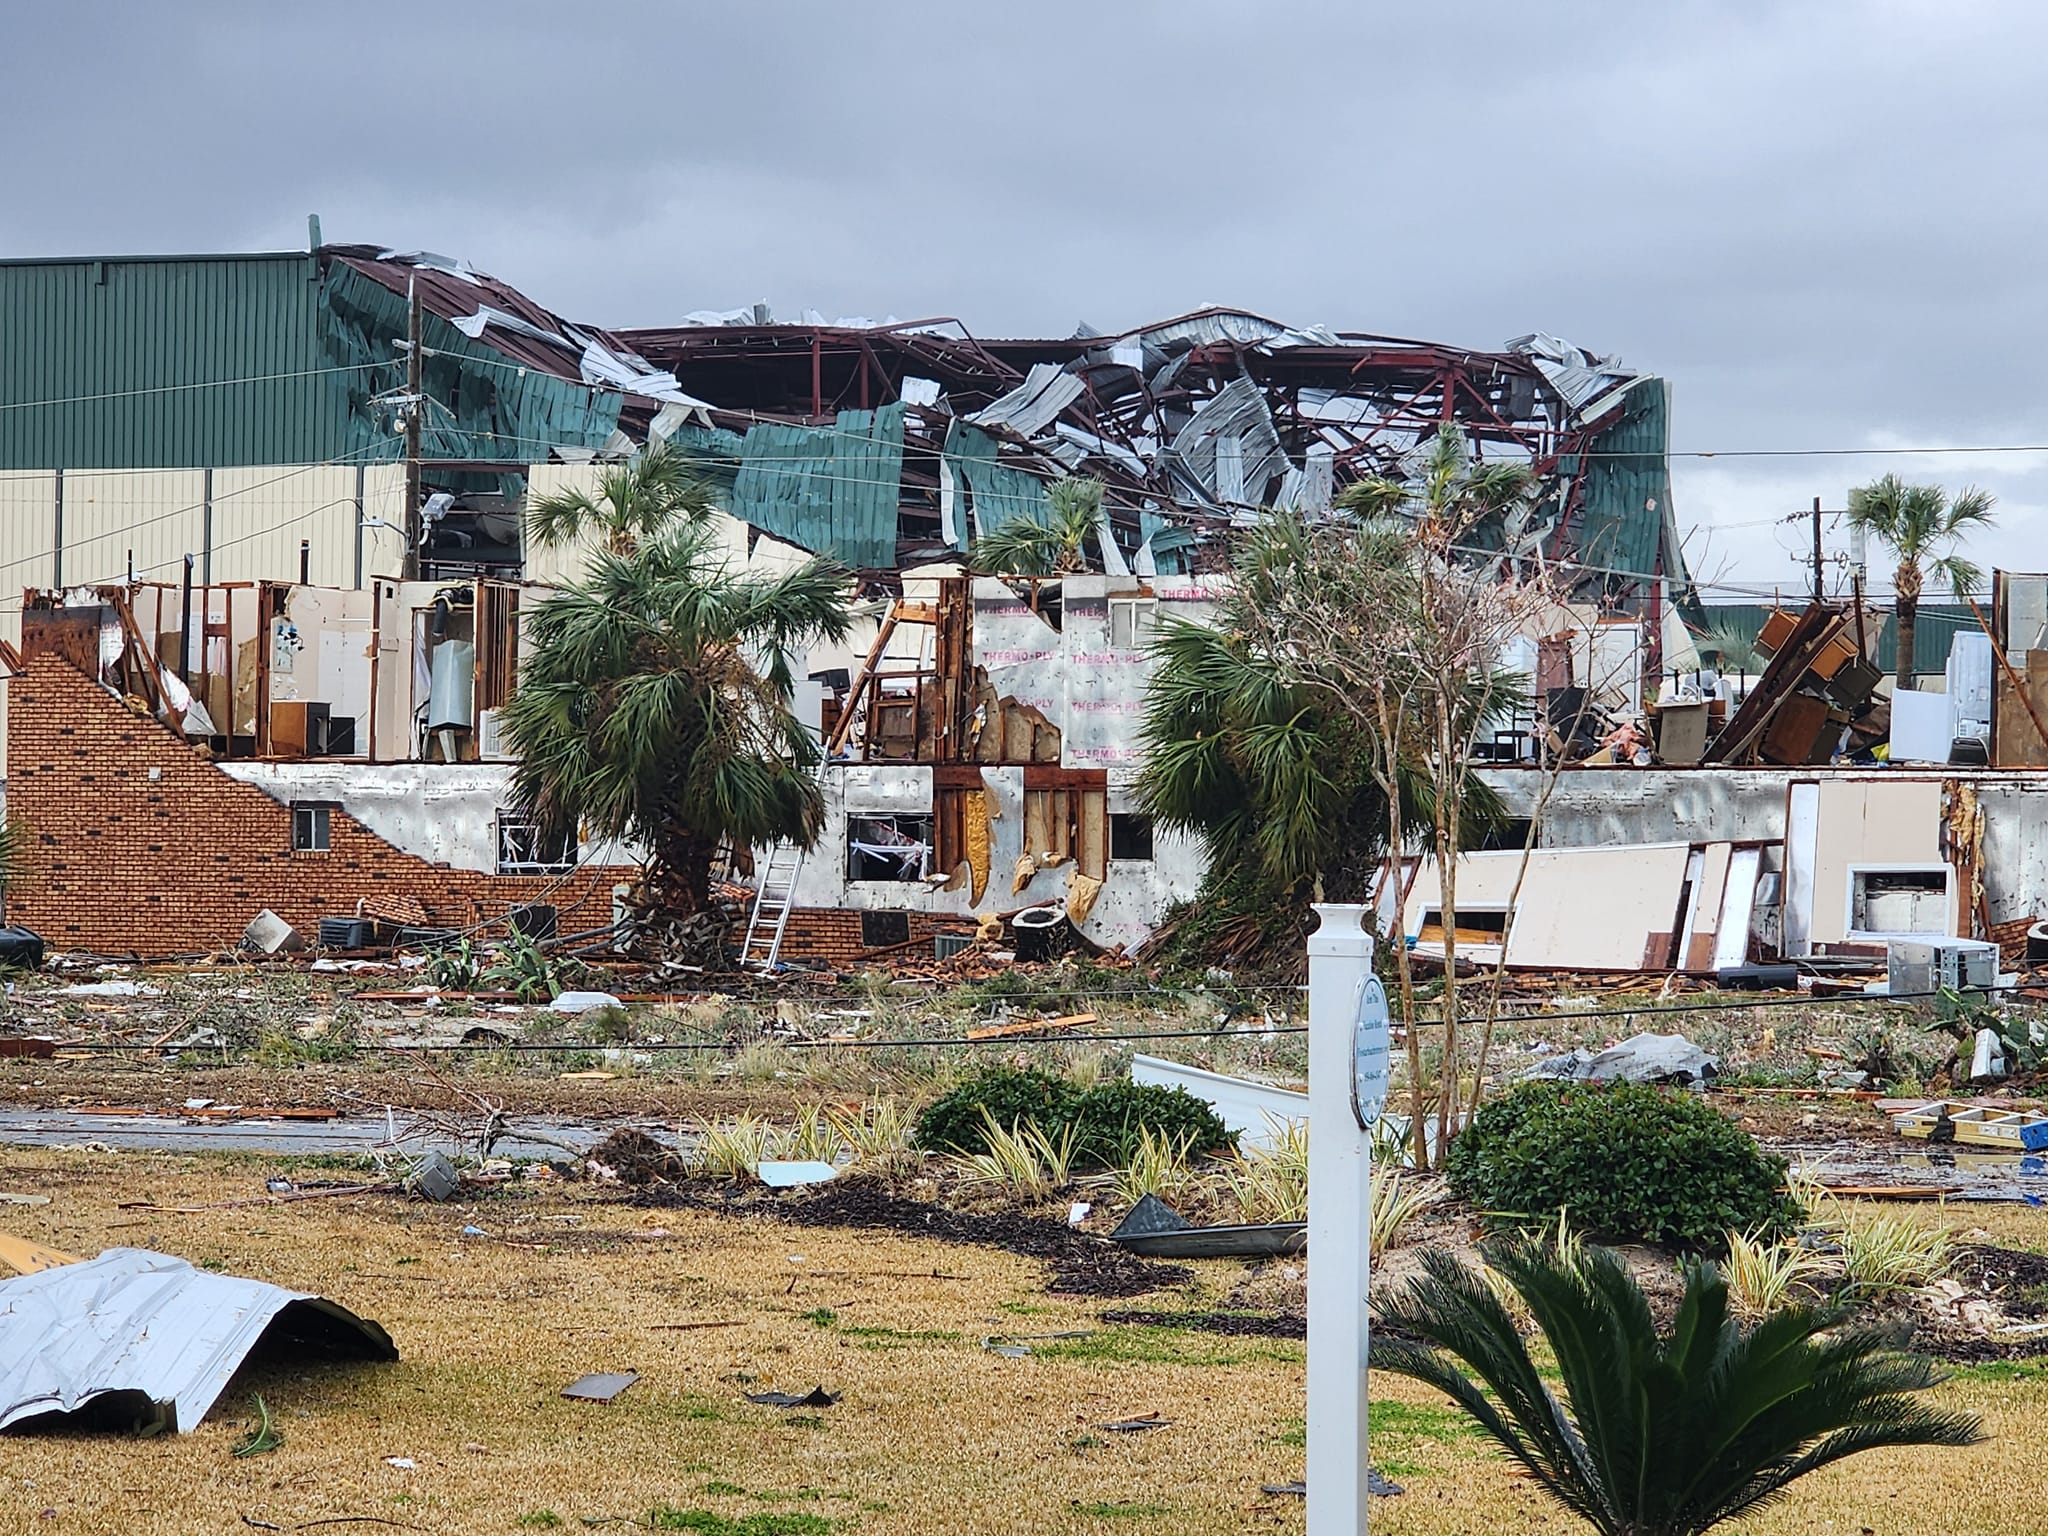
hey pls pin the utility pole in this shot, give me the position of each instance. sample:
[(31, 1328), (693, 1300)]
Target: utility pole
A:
[(415, 409), (1816, 550)]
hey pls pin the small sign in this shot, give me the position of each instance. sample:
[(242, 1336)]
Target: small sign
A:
[(1372, 1054)]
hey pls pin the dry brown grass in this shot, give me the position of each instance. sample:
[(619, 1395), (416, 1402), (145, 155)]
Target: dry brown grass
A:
[(935, 1434)]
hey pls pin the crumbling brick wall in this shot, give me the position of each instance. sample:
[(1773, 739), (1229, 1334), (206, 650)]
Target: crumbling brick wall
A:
[(833, 936), (136, 844)]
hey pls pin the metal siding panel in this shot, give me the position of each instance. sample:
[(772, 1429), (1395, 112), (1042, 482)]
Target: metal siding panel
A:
[(383, 501), (157, 513), (260, 514), (161, 327)]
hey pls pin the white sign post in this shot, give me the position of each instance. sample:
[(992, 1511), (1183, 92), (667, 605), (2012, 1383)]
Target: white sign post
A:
[(1348, 1058)]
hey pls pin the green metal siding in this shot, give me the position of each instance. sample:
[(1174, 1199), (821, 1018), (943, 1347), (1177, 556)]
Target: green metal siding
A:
[(483, 405), (154, 347), (1627, 488), (835, 491), (991, 494)]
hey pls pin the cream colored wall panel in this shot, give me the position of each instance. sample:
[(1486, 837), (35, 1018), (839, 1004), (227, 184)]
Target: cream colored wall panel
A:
[(260, 514), (564, 563), (159, 514), (384, 513)]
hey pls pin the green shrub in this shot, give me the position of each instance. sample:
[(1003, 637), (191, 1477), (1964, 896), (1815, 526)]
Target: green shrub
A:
[(1622, 1161), (1108, 1119), (955, 1123), (1113, 1116)]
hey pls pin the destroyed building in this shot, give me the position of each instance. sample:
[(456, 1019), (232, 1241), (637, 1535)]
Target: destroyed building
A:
[(234, 423)]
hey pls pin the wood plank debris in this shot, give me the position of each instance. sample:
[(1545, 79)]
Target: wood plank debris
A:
[(1017, 1027), (1940, 1120)]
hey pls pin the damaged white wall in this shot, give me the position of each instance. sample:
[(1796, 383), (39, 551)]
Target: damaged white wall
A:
[(1133, 899), (446, 813), (1608, 807), (1088, 677)]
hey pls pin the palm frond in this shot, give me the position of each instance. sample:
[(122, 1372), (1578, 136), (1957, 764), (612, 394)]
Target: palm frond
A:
[(1657, 1434)]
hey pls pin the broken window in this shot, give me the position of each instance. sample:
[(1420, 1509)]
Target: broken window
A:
[(1480, 927), (311, 824), (888, 847), (1130, 622), (1130, 837), (1887, 901), (524, 848)]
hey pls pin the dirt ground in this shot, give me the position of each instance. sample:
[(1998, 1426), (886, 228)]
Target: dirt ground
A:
[(934, 1432)]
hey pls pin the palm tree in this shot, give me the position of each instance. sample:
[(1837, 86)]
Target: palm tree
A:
[(654, 705), (1660, 1434), (1450, 495), (1023, 546), (633, 501), (1248, 744), (1922, 526)]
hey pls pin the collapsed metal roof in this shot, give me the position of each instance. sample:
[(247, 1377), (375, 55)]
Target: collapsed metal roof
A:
[(1196, 422), (890, 443), (141, 1340)]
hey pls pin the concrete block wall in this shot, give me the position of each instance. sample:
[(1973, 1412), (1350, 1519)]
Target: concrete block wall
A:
[(135, 844)]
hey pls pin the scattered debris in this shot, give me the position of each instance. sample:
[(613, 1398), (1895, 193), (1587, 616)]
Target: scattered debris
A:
[(817, 1397), (1137, 1425), (584, 1002), (269, 934), (1943, 1120), (1256, 1111), (1157, 1230), (434, 1179), (1643, 1058), (1017, 1346), (7, 1198), (109, 989), (147, 1342), (794, 1175), (1081, 1265), (37, 1047), (600, 1386), (632, 1156)]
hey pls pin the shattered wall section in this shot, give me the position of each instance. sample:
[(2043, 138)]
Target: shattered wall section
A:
[(136, 844)]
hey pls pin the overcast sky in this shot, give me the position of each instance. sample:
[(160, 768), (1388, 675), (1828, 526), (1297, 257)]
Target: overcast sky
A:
[(1821, 220)]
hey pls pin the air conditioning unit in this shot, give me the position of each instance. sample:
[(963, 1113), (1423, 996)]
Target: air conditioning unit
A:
[(490, 737), (1921, 968)]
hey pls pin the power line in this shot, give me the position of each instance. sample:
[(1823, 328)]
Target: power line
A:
[(171, 389)]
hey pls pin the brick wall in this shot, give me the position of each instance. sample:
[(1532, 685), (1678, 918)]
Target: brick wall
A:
[(137, 844), (832, 936)]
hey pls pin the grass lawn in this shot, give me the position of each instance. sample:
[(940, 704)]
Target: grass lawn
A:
[(935, 1433)]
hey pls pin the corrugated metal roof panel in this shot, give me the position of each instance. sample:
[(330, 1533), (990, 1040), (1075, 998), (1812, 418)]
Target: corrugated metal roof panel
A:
[(834, 491), (1626, 497), (151, 1331)]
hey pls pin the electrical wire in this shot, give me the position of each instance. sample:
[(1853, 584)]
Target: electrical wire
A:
[(171, 389)]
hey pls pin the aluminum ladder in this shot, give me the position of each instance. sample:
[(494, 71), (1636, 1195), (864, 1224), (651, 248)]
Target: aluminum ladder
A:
[(773, 898)]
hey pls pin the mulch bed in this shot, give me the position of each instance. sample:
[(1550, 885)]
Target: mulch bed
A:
[(1081, 1265), (1269, 1325)]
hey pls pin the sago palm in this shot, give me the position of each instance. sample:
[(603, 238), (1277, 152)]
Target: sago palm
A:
[(654, 705), (1659, 1434), (632, 501), (1922, 526), (1024, 546)]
